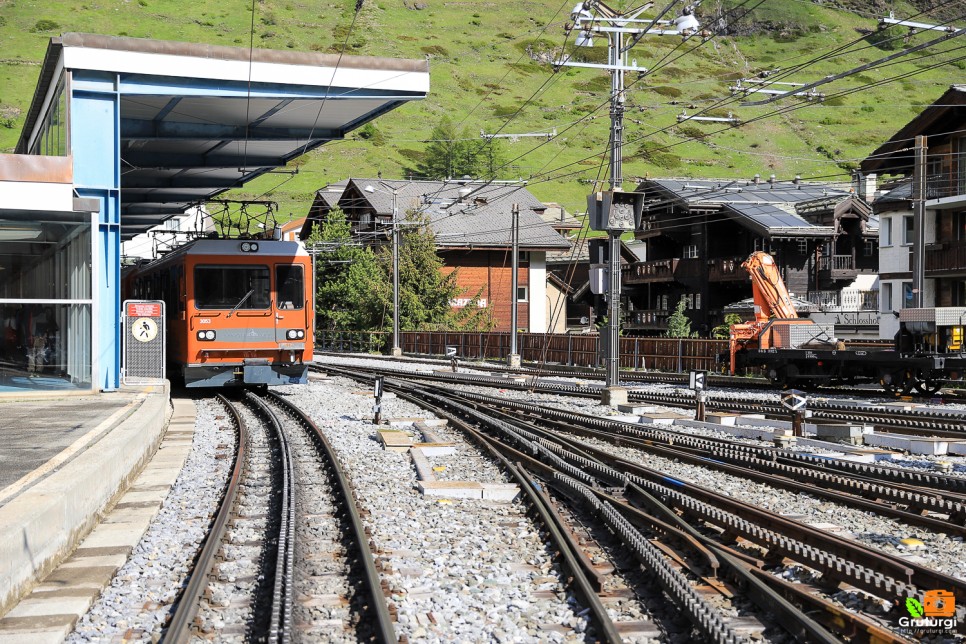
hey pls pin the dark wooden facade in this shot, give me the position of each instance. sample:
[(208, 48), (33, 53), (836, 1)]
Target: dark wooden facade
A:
[(695, 251)]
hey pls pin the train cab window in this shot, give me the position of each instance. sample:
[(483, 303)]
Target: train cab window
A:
[(232, 287), (289, 285)]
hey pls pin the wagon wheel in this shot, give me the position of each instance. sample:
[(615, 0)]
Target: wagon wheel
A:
[(927, 385), (894, 382), (777, 377)]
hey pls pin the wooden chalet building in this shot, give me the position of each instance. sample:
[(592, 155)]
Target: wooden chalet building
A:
[(944, 256), (698, 232), (472, 222)]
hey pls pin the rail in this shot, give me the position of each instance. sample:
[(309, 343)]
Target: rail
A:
[(179, 628), (383, 627)]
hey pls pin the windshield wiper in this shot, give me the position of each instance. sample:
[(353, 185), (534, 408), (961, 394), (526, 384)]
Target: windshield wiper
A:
[(247, 295)]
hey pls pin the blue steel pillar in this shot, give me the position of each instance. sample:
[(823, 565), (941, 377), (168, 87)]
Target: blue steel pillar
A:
[(95, 145)]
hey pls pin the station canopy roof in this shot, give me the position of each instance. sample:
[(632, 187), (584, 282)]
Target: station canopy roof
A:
[(197, 120)]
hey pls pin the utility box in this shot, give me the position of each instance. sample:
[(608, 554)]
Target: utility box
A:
[(615, 210)]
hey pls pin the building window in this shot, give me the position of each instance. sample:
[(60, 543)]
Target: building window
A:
[(691, 252), (907, 295), (885, 231), (522, 294), (662, 302), (697, 301), (885, 297), (959, 293), (868, 248), (908, 230), (802, 247)]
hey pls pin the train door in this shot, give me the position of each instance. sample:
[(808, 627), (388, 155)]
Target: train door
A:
[(291, 307)]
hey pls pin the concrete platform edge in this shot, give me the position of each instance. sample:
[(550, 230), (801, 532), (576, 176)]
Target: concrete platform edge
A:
[(42, 526)]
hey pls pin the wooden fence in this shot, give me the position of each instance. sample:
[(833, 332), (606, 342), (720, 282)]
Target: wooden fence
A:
[(661, 354)]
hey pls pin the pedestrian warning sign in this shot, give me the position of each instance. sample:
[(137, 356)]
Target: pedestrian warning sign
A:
[(142, 359)]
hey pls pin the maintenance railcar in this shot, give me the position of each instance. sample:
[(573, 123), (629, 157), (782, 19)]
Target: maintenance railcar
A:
[(239, 311)]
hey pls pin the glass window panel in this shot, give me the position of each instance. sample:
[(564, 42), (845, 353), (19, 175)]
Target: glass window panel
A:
[(45, 346), (232, 287), (44, 260), (289, 284)]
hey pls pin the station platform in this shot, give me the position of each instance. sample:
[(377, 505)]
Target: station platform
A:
[(64, 460)]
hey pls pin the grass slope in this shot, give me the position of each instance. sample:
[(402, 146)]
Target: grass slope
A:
[(485, 62)]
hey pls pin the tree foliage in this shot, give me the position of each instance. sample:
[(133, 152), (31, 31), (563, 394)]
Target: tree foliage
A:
[(349, 281), (678, 324), (457, 153), (354, 282), (723, 330)]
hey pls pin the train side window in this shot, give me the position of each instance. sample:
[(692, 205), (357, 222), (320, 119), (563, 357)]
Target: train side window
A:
[(231, 287), (289, 286)]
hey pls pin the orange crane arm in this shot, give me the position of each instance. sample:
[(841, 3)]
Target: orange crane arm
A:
[(771, 296)]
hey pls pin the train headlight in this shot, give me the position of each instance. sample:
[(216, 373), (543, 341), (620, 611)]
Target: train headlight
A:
[(300, 334), (206, 335), (249, 247), (290, 334)]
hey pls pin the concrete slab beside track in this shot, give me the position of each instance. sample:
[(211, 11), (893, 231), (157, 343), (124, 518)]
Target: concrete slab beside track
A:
[(67, 461)]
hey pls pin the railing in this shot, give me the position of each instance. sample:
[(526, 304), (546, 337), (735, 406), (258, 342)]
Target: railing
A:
[(845, 300), (353, 341), (726, 268), (656, 270), (938, 186), (583, 350), (666, 354), (946, 185), (945, 256), (649, 318), (836, 263)]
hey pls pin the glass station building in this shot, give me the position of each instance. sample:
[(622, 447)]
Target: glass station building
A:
[(123, 133)]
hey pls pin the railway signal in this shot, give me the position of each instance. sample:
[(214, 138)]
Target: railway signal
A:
[(699, 384), (795, 401), (377, 393)]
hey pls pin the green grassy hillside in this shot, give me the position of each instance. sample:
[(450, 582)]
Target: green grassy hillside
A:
[(485, 61)]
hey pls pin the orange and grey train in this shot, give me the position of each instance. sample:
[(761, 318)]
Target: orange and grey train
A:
[(239, 312)]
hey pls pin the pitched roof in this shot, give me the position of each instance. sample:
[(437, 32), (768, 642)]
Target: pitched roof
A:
[(767, 207), (947, 113), (465, 214)]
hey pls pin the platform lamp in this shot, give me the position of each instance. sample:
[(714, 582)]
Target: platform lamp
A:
[(396, 349)]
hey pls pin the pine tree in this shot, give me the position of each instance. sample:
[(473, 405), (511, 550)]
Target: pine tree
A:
[(453, 153), (678, 324), (351, 290)]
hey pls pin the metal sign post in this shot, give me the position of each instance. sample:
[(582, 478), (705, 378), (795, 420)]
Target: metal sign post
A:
[(377, 393), (795, 401), (451, 354), (699, 383)]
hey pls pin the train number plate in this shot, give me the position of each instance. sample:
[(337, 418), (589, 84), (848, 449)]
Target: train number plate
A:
[(291, 346)]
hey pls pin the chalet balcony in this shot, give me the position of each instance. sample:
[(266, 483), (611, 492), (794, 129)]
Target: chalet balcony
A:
[(653, 272), (845, 301), (726, 269), (658, 271), (652, 319), (945, 258), (837, 267)]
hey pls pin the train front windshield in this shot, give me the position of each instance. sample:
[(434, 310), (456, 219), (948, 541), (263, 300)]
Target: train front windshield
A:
[(288, 281), (232, 287)]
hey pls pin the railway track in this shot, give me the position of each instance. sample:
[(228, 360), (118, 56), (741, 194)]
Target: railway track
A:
[(700, 527), (288, 527), (914, 421), (666, 530), (717, 380), (707, 533)]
